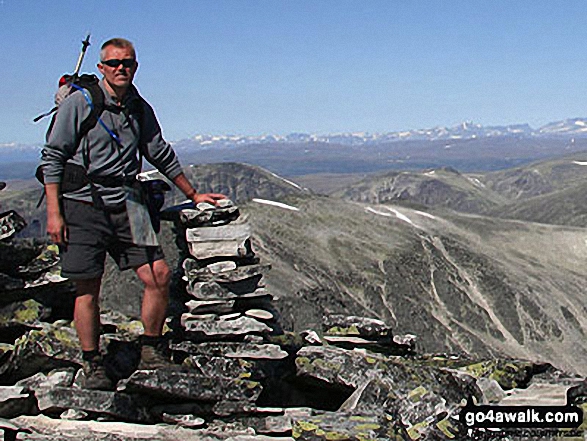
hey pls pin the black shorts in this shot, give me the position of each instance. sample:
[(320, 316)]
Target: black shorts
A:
[(92, 234)]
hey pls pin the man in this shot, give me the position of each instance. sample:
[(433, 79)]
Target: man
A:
[(98, 218)]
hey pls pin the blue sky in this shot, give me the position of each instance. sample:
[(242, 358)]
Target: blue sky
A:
[(254, 67)]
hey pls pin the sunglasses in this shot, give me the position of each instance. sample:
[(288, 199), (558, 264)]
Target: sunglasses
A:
[(127, 62)]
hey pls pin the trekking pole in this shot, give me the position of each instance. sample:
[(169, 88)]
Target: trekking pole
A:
[(64, 80)]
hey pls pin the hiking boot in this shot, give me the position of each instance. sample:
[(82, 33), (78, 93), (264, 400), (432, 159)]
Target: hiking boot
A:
[(95, 376), (154, 357)]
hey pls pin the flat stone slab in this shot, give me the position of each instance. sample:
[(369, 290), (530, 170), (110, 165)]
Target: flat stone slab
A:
[(114, 404), (14, 401), (233, 350), (537, 395), (10, 224), (213, 326), (55, 378), (232, 240), (248, 288), (213, 367), (235, 274), (192, 217), (187, 385), (66, 430), (198, 307)]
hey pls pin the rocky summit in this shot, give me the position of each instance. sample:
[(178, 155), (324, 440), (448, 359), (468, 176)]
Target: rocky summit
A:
[(237, 374)]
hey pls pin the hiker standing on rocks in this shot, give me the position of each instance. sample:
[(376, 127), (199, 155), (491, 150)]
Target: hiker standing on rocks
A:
[(105, 215)]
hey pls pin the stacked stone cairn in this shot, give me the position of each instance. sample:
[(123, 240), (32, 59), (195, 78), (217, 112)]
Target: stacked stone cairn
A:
[(237, 374)]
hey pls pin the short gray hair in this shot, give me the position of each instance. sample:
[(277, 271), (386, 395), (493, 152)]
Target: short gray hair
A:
[(121, 43)]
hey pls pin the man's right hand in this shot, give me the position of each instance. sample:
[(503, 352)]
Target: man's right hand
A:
[(57, 229)]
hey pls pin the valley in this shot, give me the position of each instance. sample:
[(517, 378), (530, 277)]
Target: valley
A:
[(483, 263)]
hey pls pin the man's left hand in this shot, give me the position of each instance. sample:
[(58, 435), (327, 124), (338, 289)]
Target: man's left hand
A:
[(210, 198)]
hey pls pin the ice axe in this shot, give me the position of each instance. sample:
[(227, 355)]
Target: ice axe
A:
[(66, 79)]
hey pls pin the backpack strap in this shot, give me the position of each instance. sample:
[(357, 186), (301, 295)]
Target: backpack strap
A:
[(91, 84)]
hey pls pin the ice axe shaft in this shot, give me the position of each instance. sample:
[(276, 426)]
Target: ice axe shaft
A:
[(80, 60), (73, 77)]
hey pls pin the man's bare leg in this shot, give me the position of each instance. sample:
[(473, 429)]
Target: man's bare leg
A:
[(87, 324), (156, 278), (87, 313), (154, 348)]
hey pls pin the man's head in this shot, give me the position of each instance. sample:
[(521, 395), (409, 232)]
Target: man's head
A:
[(118, 64)]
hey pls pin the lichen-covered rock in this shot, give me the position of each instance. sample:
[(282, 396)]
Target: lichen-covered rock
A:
[(421, 413), (51, 347), (186, 385), (508, 373), (45, 261), (24, 314), (350, 369), (333, 426)]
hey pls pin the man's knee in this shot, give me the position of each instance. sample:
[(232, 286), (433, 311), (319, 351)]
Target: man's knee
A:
[(162, 273), (155, 274)]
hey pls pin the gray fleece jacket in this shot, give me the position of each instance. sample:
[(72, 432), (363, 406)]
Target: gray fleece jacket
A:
[(105, 158)]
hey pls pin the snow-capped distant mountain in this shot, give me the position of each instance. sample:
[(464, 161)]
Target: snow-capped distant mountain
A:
[(576, 127), (572, 128), (466, 130), (15, 152)]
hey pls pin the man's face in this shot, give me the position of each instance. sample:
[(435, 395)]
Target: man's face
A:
[(119, 77)]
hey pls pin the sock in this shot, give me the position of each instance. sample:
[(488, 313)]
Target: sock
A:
[(152, 340), (90, 355)]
